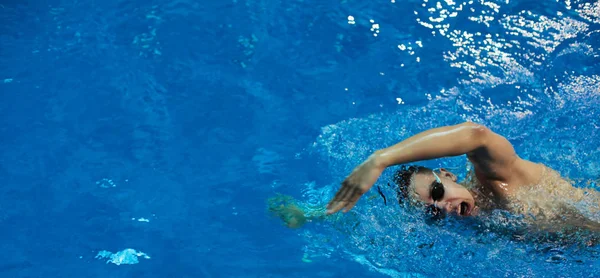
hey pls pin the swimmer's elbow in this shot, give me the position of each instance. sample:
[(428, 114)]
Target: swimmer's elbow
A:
[(479, 134)]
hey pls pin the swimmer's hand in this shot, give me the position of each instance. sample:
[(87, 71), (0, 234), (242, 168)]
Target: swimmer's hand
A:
[(355, 185)]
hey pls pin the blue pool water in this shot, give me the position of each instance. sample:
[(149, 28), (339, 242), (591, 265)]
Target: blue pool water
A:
[(143, 138)]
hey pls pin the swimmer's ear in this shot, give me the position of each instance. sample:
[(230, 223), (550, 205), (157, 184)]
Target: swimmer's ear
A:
[(448, 174)]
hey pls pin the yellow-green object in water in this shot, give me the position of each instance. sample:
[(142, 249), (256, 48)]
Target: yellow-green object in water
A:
[(286, 209)]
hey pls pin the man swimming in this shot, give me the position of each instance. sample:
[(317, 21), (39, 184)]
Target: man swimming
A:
[(502, 179)]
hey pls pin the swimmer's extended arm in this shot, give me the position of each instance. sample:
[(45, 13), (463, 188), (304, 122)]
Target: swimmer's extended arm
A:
[(439, 142), (488, 152)]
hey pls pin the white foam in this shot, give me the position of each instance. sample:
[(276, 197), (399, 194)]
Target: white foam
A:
[(106, 183), (140, 219), (386, 271), (127, 256)]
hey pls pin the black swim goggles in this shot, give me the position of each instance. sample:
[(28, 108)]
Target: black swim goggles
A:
[(437, 194)]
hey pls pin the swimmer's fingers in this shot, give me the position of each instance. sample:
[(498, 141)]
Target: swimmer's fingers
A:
[(337, 202), (335, 207), (353, 199), (337, 197), (347, 195)]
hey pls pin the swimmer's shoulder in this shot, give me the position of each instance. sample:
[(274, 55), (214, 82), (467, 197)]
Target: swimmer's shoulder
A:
[(519, 174), (526, 173)]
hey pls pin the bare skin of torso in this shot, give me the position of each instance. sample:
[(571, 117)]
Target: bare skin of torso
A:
[(524, 173), (539, 191)]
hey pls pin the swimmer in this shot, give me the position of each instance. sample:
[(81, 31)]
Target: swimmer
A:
[(500, 179)]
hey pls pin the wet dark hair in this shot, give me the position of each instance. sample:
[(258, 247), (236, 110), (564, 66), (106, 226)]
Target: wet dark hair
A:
[(402, 179)]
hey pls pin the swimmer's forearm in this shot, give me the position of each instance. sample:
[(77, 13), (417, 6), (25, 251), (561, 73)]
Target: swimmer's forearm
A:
[(434, 143)]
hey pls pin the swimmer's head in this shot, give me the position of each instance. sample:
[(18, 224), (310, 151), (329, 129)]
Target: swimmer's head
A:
[(436, 189)]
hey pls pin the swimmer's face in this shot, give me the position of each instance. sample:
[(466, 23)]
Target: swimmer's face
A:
[(443, 193)]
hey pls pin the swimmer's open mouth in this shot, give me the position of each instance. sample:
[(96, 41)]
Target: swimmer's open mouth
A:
[(464, 208)]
